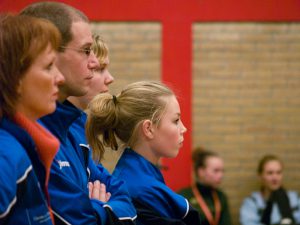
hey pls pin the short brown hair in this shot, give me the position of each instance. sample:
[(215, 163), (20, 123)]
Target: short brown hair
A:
[(60, 14), (22, 39)]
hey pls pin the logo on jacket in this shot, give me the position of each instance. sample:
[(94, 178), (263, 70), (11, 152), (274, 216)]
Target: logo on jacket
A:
[(63, 164)]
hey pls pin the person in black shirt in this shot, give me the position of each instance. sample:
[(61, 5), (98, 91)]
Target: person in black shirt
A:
[(204, 194)]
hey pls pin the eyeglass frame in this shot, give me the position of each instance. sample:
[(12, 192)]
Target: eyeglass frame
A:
[(87, 50)]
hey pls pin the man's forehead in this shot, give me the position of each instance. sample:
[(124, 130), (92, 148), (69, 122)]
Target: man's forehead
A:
[(81, 33)]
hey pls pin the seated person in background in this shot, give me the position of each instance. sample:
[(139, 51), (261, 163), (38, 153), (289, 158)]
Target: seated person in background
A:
[(145, 116), (272, 204), (204, 195)]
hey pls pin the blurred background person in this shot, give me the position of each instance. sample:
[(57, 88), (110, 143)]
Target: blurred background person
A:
[(272, 204), (205, 194)]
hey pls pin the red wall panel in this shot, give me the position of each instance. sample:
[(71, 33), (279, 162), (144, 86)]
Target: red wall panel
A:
[(176, 17)]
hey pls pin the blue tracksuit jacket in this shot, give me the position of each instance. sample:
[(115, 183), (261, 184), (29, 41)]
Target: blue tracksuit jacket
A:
[(156, 203), (71, 171), (22, 176)]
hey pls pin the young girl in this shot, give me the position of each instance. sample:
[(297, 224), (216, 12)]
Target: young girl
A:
[(205, 194), (145, 116), (272, 204)]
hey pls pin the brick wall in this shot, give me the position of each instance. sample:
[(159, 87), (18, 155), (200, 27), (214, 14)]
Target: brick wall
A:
[(246, 91), (246, 99)]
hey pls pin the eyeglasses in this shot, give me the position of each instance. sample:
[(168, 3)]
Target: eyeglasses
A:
[(87, 50)]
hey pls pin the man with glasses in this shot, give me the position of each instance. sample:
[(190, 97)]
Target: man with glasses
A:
[(71, 200)]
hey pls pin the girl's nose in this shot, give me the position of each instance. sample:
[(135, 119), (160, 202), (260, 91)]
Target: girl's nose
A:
[(93, 62)]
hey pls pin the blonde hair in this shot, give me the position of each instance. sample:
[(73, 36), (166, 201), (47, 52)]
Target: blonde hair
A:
[(100, 49), (119, 116)]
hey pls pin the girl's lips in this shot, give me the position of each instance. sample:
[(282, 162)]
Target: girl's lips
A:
[(181, 143)]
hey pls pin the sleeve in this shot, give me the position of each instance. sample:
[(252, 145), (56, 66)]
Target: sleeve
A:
[(112, 219), (295, 201), (70, 204), (192, 217), (249, 213), (148, 216), (8, 187), (120, 202), (15, 168), (160, 205)]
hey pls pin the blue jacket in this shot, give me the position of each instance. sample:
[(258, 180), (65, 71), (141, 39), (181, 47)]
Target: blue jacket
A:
[(22, 176), (253, 206), (156, 203), (71, 171)]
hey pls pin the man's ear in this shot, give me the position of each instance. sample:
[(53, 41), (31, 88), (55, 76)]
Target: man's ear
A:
[(147, 128)]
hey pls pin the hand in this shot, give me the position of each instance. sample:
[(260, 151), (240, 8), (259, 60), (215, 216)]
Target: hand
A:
[(97, 191)]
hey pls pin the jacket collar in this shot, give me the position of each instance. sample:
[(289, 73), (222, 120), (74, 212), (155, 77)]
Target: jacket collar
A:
[(58, 123)]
